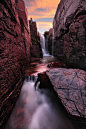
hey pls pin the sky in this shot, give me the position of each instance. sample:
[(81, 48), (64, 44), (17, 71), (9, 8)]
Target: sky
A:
[(42, 11)]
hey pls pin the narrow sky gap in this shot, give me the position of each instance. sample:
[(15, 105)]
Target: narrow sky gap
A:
[(42, 11)]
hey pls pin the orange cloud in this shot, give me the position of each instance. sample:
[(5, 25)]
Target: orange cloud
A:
[(44, 24), (42, 9)]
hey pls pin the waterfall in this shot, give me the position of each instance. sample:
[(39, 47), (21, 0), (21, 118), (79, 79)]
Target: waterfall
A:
[(42, 42)]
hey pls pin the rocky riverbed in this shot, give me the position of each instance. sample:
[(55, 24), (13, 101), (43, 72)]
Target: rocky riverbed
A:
[(57, 99)]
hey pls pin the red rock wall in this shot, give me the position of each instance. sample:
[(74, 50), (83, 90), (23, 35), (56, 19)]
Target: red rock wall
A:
[(36, 51), (15, 55), (21, 9), (33, 30), (70, 32), (20, 4)]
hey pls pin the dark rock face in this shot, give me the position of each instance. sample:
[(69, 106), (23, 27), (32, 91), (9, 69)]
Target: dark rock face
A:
[(21, 9), (70, 32), (35, 51), (57, 65), (33, 29), (44, 81), (50, 41), (70, 85), (46, 35), (35, 41), (15, 55)]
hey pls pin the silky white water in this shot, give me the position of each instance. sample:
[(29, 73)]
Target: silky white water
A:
[(42, 42), (37, 110)]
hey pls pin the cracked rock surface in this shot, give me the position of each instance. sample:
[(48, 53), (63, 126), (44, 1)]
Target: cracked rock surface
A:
[(70, 85)]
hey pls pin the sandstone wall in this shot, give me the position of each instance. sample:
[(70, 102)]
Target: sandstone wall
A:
[(69, 26), (33, 30), (36, 51), (22, 11), (46, 35), (15, 55)]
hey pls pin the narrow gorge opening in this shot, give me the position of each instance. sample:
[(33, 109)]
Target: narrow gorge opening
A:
[(43, 46)]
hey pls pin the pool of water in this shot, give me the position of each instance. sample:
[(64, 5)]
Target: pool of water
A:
[(40, 66)]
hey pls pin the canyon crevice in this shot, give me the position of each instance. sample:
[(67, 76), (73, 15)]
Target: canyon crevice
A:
[(20, 46)]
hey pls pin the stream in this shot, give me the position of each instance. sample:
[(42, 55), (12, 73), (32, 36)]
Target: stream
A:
[(38, 109)]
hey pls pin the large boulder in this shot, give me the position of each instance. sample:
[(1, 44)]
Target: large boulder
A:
[(70, 85)]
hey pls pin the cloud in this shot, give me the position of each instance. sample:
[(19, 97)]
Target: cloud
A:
[(44, 19), (44, 26), (42, 11)]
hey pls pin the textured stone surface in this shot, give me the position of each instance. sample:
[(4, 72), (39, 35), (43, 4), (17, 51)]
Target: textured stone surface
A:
[(22, 11), (33, 29), (57, 65), (70, 32), (36, 50), (70, 85), (46, 35), (14, 56)]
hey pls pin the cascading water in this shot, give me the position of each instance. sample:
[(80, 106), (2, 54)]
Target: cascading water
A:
[(42, 42), (37, 109)]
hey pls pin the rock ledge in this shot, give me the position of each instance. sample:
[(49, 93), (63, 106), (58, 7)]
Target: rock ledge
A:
[(70, 85)]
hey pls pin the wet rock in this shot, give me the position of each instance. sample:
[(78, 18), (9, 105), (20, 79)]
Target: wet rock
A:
[(44, 81), (70, 85), (57, 65)]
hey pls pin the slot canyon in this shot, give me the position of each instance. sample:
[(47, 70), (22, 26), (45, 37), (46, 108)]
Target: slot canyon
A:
[(42, 75)]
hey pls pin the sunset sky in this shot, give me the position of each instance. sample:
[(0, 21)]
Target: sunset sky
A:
[(42, 11)]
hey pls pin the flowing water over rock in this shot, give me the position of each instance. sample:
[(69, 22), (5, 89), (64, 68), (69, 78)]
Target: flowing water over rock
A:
[(40, 66), (38, 109), (42, 42)]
